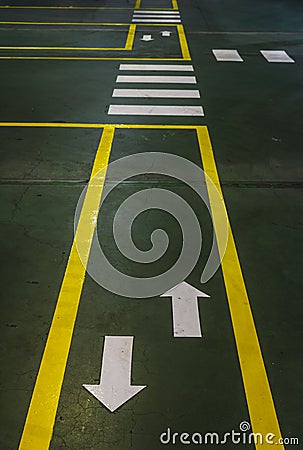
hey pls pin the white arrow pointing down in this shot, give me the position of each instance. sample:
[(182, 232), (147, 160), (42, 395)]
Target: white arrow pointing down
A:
[(147, 37), (115, 387), (186, 318)]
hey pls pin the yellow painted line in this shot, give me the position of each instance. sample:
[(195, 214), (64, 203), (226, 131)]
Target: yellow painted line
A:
[(183, 43), (71, 58), (83, 7), (258, 394), (115, 24), (95, 49), (130, 37), (67, 23), (175, 4), (60, 7), (92, 125), (138, 4), (41, 415), (128, 44), (51, 125)]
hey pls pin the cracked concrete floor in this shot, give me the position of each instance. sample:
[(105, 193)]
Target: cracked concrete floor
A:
[(253, 113)]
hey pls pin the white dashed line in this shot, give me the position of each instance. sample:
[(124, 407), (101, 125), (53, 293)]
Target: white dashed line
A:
[(276, 56), (227, 55)]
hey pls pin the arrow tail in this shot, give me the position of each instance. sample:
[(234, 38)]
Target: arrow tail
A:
[(117, 360), (186, 318), (185, 309)]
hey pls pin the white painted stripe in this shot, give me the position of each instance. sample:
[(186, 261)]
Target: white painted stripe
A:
[(139, 11), (168, 67), (157, 20), (155, 79), (156, 110), (227, 55), (156, 93), (147, 16), (276, 56)]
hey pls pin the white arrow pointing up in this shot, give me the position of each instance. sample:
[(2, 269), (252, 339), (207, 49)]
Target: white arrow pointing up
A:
[(165, 33), (186, 318), (147, 37), (115, 387)]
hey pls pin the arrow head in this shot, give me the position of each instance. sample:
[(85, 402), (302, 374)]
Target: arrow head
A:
[(184, 290), (114, 388), (147, 37), (114, 398), (165, 33)]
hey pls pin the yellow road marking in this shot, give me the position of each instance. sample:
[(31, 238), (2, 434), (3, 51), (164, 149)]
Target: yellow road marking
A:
[(92, 125), (71, 58), (183, 43), (138, 4), (258, 394), (41, 415), (128, 45), (175, 4), (64, 48), (115, 24), (59, 7), (130, 37), (83, 7)]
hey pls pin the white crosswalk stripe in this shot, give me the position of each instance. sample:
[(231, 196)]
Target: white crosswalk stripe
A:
[(157, 93), (156, 110), (155, 79), (157, 20), (157, 67), (142, 11)]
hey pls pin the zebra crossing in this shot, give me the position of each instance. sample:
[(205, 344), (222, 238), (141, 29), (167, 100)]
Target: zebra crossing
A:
[(157, 17), (161, 92)]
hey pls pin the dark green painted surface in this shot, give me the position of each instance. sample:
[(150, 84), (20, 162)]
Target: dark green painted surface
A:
[(253, 112)]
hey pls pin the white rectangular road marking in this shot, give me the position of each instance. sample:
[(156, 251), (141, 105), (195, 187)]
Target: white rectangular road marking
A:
[(156, 93), (276, 56), (157, 20), (140, 11), (168, 67), (155, 110), (227, 55), (147, 16), (155, 79)]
